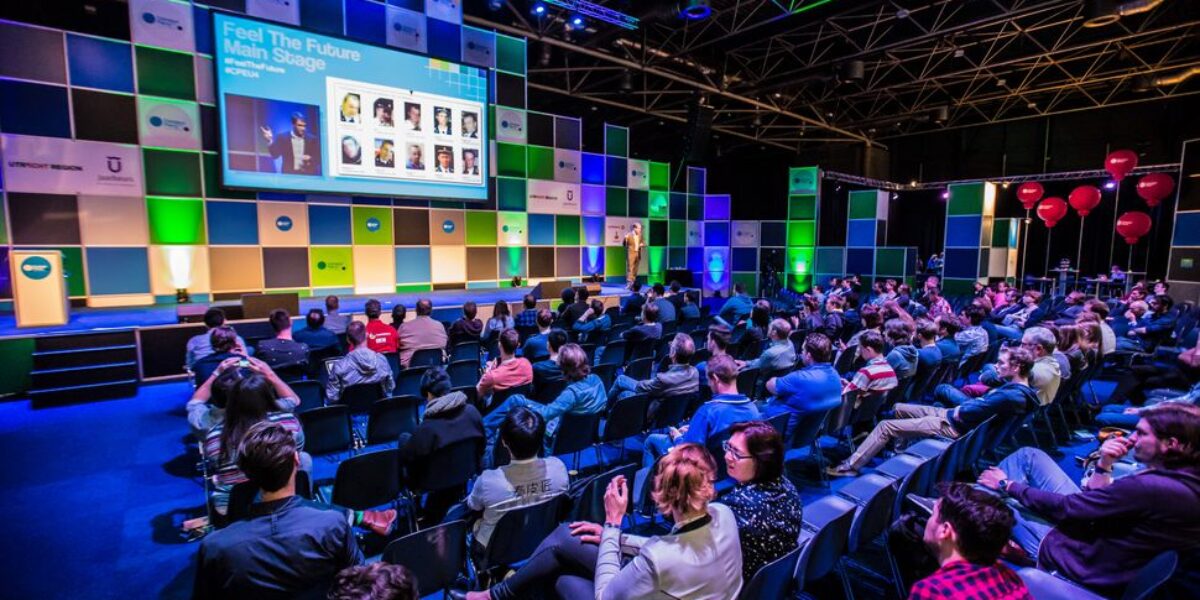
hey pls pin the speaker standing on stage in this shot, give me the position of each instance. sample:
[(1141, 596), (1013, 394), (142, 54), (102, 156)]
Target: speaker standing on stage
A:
[(634, 243)]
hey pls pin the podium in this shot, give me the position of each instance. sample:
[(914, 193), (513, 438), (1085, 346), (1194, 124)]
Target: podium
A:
[(39, 288)]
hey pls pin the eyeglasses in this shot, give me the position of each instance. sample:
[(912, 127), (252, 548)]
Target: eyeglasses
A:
[(726, 446)]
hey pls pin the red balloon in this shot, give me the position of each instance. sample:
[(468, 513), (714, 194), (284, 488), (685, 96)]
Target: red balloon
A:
[(1120, 163), (1084, 198), (1052, 210), (1155, 188), (1029, 193), (1133, 225)]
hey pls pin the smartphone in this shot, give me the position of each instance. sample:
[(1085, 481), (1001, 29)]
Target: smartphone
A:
[(245, 362)]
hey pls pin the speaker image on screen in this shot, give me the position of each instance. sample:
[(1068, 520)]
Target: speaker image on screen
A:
[(699, 127)]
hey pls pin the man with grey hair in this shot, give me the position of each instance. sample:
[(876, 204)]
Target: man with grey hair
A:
[(779, 356), (1046, 374), (678, 379)]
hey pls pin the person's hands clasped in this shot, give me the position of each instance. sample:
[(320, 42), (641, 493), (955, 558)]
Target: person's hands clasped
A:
[(616, 500), (587, 532), (992, 477)]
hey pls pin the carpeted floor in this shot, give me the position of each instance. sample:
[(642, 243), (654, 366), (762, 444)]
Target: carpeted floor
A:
[(93, 496)]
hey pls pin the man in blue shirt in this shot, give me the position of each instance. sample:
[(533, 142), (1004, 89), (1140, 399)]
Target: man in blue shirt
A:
[(666, 308), (726, 408), (536, 346), (528, 317), (948, 326), (780, 355), (593, 325), (816, 387), (736, 308), (929, 355), (632, 303), (1152, 328), (314, 335)]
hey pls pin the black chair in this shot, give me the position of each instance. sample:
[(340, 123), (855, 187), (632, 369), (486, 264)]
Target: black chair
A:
[(670, 411), (446, 470), (429, 357), (1156, 573), (472, 396), (606, 373), (575, 434), (626, 418), (359, 398), (327, 430), (526, 331), (823, 538), (874, 495), (589, 502), (549, 390), (517, 535), (639, 369), (435, 556), (747, 380), (806, 434), (701, 355), (244, 494), (590, 348), (310, 393), (317, 358), (463, 372), (393, 361), (642, 349), (613, 353), (391, 417), (465, 351), (408, 382), (368, 480), (780, 423), (773, 580)]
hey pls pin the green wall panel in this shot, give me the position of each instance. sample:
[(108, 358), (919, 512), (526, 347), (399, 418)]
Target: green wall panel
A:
[(677, 234), (17, 356), (802, 207), (566, 228), (749, 280), (863, 204), (165, 73), (172, 173), (331, 266), (614, 261), (510, 159), (510, 54), (616, 201), (660, 176), (510, 193), (802, 233), (616, 141), (481, 228), (372, 225), (966, 199), (540, 162), (660, 205), (889, 262), (656, 261), (176, 220)]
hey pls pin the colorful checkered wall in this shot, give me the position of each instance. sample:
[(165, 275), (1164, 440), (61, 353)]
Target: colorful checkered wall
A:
[(188, 231), (978, 246)]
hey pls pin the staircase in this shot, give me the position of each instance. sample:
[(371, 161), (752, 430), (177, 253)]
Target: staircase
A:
[(83, 367)]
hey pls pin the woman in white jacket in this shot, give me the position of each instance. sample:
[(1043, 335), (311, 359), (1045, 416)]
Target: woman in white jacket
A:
[(700, 559)]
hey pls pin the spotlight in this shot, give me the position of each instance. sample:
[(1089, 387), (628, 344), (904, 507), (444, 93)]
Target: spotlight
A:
[(695, 10), (495, 4), (1099, 13), (539, 9), (895, 195), (576, 22), (1110, 185), (1004, 185), (941, 114), (912, 183), (946, 195)]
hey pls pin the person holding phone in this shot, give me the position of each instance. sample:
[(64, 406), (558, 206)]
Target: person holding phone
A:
[(700, 559)]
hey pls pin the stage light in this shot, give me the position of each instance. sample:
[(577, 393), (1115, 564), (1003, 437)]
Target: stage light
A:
[(539, 9), (1098, 13), (695, 10), (946, 195), (1004, 185), (1110, 185), (495, 4), (577, 22)]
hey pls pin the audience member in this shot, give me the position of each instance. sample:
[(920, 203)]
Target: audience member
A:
[(546, 372), (726, 407), (649, 329), (929, 355), (676, 295), (666, 308), (632, 303), (780, 356), (572, 312), (816, 387), (918, 421), (736, 308), (935, 304), (834, 323), (381, 337), (717, 344), (421, 333), (359, 365), (206, 407), (973, 339), (1102, 534), (281, 351), (335, 321), (224, 344), (949, 326), (536, 346), (288, 547), (903, 355), (700, 559), (876, 376), (314, 334), (764, 502), (1150, 329), (399, 315), (966, 532), (568, 298), (507, 370), (688, 311), (1027, 314), (376, 581), (467, 328), (500, 320), (448, 419), (593, 325), (200, 345), (528, 316), (678, 379)]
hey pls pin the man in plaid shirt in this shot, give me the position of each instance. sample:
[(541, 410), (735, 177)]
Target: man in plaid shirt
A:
[(967, 530)]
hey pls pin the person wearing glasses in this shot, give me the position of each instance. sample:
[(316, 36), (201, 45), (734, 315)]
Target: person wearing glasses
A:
[(766, 505)]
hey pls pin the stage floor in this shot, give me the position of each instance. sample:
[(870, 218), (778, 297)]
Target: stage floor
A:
[(97, 319)]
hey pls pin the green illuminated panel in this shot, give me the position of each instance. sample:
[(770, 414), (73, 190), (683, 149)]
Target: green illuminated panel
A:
[(512, 262), (616, 201), (510, 194), (176, 220), (165, 73), (616, 140), (413, 288), (748, 280), (567, 230), (660, 205), (614, 260), (17, 357), (863, 204), (802, 207), (372, 225), (331, 266), (802, 233), (966, 199), (541, 162), (800, 260), (481, 228), (510, 159), (802, 180), (510, 54), (889, 262), (657, 264), (677, 234), (660, 176), (172, 173)]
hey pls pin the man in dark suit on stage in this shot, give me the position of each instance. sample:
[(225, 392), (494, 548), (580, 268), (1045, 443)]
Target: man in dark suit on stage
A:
[(301, 152)]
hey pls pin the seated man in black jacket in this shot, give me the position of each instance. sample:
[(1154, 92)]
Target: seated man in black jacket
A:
[(650, 329), (547, 371)]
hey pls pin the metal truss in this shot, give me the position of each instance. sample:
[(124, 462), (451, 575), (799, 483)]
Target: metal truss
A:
[(1005, 181), (788, 72)]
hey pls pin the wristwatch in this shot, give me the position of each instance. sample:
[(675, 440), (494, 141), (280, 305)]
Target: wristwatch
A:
[(1003, 485), (612, 525), (1100, 469)]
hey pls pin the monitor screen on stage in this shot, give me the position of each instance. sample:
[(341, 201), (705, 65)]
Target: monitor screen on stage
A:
[(307, 112)]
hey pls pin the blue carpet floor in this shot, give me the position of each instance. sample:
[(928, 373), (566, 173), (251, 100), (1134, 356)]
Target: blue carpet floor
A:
[(93, 496)]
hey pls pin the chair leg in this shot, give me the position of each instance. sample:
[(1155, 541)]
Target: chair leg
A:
[(841, 569), (896, 578)]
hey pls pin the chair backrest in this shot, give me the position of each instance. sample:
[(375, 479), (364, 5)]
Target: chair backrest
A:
[(519, 532), (780, 423), (671, 410), (823, 535), (391, 417), (393, 361), (773, 580), (918, 482), (845, 360), (626, 418), (472, 395), (589, 502), (949, 461), (429, 357), (1047, 586), (449, 467), (327, 429), (408, 382), (613, 353), (606, 373), (639, 369), (643, 349), (310, 393), (367, 480), (747, 380), (549, 390), (975, 441), (359, 398), (500, 396), (875, 496), (463, 372), (575, 433), (317, 358), (524, 332), (808, 428), (1152, 576), (591, 346), (435, 556), (465, 351), (868, 407), (715, 445)]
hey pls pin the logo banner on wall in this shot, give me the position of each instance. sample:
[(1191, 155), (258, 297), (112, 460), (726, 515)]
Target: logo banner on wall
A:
[(802, 180), (695, 233), (168, 123), (164, 23), (478, 47), (61, 166), (639, 175), (553, 197), (566, 166), (615, 229), (445, 10), (283, 11), (510, 125), (406, 29), (745, 233)]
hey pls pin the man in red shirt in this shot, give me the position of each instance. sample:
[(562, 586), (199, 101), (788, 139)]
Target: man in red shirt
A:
[(508, 370), (966, 532), (381, 337)]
